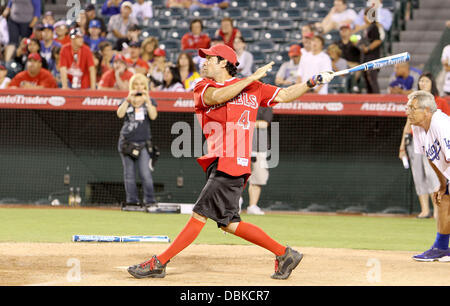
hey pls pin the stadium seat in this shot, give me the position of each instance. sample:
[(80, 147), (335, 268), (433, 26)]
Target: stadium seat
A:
[(177, 33), (251, 23), (259, 57), (174, 12), (266, 46), (357, 5), (275, 35), (337, 85), (161, 22), (279, 57), (296, 4), (292, 14), (13, 69), (284, 24), (317, 15), (295, 36), (152, 31), (323, 5), (202, 13), (263, 14), (212, 24), (250, 35), (158, 3), (240, 4), (269, 4), (170, 45), (234, 13)]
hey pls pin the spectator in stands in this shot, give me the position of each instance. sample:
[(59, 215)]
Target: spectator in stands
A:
[(91, 14), (445, 59), (34, 76), (142, 11), (138, 109), (62, 32), (212, 4), (404, 79), (136, 63), (287, 74), (156, 71), (171, 80), (339, 14), (54, 65), (48, 43), (48, 18), (179, 3), (188, 73), (37, 31), (149, 45), (245, 58), (118, 77), (425, 179), (22, 15), (337, 62), (77, 63), (94, 36), (307, 35), (370, 47), (195, 39), (111, 7), (4, 35), (81, 22), (314, 63), (228, 32), (106, 51), (198, 60), (382, 15), (119, 24), (26, 47), (352, 54), (4, 80), (133, 35)]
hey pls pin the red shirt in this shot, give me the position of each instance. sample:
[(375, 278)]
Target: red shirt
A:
[(138, 63), (63, 41), (228, 127), (109, 78), (230, 42), (442, 105), (190, 41), (43, 78), (85, 60)]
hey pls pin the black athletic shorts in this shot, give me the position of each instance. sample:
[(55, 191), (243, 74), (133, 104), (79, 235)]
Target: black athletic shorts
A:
[(219, 199)]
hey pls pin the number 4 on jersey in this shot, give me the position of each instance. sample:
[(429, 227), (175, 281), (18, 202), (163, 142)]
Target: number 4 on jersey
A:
[(244, 121)]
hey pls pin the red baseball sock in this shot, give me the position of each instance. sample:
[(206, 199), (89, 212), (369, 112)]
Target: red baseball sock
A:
[(255, 235), (184, 238)]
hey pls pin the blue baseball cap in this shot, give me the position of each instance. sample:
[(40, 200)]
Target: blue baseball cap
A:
[(94, 23)]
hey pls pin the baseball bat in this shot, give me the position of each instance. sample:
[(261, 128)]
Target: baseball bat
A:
[(377, 64)]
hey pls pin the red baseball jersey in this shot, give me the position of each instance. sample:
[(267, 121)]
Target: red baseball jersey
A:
[(84, 60), (228, 127)]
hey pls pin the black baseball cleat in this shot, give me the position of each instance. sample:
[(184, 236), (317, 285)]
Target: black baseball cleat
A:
[(151, 268), (285, 263)]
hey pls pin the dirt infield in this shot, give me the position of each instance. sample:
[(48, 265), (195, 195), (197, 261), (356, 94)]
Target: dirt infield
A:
[(93, 264)]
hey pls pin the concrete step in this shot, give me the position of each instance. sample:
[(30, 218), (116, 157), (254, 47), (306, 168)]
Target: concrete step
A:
[(426, 36), (434, 13), (426, 25), (418, 47)]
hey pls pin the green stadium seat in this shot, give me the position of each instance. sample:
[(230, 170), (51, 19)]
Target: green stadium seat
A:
[(263, 14), (234, 13), (275, 35), (251, 23), (202, 13), (292, 14), (174, 12), (152, 31), (284, 24), (170, 45), (161, 22), (296, 4), (250, 35), (177, 33), (266, 46)]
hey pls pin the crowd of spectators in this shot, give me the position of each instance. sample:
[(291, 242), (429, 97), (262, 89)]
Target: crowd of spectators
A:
[(91, 53)]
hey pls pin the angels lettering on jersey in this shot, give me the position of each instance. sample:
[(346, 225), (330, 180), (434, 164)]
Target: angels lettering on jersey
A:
[(228, 127)]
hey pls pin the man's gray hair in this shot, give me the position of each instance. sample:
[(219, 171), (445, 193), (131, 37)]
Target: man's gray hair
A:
[(424, 100)]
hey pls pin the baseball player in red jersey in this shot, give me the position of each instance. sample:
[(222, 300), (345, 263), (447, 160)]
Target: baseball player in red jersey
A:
[(226, 108)]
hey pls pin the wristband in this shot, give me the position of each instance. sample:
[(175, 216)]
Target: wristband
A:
[(311, 83)]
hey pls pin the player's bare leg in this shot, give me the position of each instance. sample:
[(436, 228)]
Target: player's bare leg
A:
[(286, 260), (156, 266)]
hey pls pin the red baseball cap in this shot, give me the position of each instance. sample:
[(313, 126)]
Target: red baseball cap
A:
[(220, 50), (159, 52), (309, 35), (295, 50), (35, 56)]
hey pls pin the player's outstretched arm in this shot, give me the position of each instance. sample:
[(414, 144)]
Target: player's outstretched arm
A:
[(293, 92), (215, 96)]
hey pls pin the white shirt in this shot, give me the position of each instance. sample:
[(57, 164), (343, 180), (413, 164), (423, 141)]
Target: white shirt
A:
[(5, 83), (348, 14), (142, 11), (435, 144), (384, 17), (446, 58), (314, 64), (245, 63), (4, 34)]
